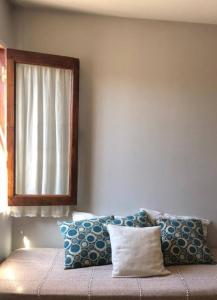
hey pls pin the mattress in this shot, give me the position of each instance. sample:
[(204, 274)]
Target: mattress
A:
[(38, 273)]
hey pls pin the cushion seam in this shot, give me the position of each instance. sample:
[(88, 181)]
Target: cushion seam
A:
[(184, 283), (139, 287), (90, 283), (46, 275)]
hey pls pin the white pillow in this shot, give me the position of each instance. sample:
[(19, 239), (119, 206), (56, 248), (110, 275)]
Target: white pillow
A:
[(154, 214), (136, 252), (80, 216)]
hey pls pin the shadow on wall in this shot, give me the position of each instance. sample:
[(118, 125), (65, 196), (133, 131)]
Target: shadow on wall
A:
[(85, 147), (212, 235), (43, 233), (5, 236)]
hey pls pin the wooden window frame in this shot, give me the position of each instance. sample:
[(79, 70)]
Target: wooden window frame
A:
[(33, 58), (2, 100), (3, 146)]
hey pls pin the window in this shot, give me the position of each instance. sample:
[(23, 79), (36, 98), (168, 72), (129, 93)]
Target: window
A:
[(42, 128)]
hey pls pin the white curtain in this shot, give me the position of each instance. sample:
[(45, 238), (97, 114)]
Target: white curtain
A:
[(42, 129), (41, 211)]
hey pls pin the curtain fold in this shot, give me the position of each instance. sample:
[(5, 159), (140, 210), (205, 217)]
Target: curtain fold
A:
[(64, 211), (43, 97), (43, 119)]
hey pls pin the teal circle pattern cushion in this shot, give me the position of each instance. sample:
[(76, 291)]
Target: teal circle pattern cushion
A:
[(86, 242), (183, 242), (140, 219)]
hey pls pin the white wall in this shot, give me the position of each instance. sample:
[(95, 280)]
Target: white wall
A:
[(6, 39), (6, 24), (5, 236), (148, 121)]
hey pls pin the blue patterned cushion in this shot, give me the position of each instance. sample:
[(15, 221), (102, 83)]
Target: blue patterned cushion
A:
[(140, 219), (183, 242), (86, 242)]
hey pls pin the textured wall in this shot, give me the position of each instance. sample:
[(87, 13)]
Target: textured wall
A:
[(6, 24), (5, 236), (148, 103)]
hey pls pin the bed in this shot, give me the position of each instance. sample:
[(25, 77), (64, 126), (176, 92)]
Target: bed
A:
[(38, 273)]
